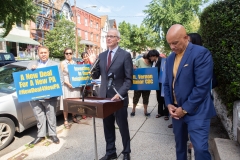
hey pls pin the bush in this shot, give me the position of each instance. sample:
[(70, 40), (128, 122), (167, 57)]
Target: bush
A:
[(220, 30)]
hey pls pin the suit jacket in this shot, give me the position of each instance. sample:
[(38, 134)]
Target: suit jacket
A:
[(122, 67), (193, 82)]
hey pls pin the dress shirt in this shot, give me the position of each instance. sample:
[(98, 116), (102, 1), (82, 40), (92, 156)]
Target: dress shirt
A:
[(113, 53), (177, 61), (42, 64)]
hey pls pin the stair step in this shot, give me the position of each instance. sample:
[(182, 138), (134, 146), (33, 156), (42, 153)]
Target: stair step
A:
[(225, 149)]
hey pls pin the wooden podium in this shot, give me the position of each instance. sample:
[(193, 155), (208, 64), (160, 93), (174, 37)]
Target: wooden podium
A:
[(92, 106)]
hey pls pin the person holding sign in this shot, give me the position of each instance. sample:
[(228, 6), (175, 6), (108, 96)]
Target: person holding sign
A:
[(44, 109), (143, 62), (68, 90), (118, 62), (187, 94)]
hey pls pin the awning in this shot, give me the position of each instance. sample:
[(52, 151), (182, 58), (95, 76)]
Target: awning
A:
[(19, 39), (87, 43)]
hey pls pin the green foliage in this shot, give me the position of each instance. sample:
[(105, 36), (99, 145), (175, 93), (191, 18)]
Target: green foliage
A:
[(162, 14), (137, 39), (220, 30), (62, 36), (16, 11)]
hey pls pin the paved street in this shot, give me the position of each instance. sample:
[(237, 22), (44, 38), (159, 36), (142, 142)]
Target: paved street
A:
[(28, 135), (151, 139)]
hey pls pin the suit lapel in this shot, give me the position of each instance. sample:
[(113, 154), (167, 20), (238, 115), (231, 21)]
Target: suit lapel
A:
[(115, 57), (170, 65), (184, 59), (105, 54)]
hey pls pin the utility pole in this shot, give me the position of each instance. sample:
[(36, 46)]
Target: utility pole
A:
[(76, 32)]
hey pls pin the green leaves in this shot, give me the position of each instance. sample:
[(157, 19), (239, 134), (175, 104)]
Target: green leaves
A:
[(220, 25), (16, 11), (137, 39), (161, 14), (62, 36)]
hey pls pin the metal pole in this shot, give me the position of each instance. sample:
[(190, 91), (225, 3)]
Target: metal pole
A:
[(95, 139), (76, 32)]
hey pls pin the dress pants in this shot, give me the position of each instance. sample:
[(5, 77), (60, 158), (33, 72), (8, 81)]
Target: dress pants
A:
[(198, 131), (162, 109), (109, 131), (45, 113)]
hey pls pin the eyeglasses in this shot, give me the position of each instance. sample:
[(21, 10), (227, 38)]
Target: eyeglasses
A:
[(68, 53), (110, 36)]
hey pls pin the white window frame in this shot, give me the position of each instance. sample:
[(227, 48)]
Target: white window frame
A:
[(86, 22), (86, 35), (78, 19)]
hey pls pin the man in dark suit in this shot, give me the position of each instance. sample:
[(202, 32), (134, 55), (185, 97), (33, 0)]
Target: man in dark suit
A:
[(45, 109), (118, 61), (187, 93)]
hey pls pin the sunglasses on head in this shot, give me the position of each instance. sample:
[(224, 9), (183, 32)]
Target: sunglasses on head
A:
[(67, 53)]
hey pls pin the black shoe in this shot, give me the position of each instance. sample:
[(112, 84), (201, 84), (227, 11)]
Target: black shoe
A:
[(109, 157), (147, 114), (126, 156), (37, 140), (170, 126), (132, 114), (55, 139)]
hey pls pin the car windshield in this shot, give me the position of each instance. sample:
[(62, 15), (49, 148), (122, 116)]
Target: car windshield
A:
[(6, 78)]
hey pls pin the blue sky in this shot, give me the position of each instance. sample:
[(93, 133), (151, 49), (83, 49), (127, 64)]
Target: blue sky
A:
[(129, 10)]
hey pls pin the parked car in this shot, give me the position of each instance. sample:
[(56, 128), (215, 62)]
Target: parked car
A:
[(77, 60), (6, 58), (14, 116)]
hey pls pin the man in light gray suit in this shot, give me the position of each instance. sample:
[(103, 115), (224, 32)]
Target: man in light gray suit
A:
[(117, 61), (45, 109)]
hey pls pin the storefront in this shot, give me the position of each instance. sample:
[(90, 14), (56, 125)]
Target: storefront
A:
[(19, 46)]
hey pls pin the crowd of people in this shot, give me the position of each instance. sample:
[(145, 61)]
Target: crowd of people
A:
[(186, 99)]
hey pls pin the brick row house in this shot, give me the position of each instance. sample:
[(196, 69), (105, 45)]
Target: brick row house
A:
[(88, 28)]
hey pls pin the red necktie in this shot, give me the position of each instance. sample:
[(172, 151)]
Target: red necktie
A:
[(109, 59)]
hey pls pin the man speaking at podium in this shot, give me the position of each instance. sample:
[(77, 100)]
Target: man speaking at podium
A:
[(117, 61)]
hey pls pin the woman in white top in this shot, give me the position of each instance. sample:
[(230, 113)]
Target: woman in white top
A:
[(68, 90)]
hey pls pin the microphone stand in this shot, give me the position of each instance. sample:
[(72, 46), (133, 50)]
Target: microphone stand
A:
[(84, 88), (117, 92), (83, 94)]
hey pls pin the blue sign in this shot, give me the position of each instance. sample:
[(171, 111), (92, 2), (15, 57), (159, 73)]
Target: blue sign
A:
[(79, 74), (41, 83), (145, 79)]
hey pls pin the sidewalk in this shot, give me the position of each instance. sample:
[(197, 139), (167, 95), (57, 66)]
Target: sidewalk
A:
[(151, 139)]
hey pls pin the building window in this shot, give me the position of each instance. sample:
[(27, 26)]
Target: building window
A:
[(78, 19), (97, 25), (91, 37), (97, 38), (91, 22), (86, 22), (79, 33), (86, 36)]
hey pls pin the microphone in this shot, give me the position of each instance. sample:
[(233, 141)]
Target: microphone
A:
[(111, 77), (94, 65)]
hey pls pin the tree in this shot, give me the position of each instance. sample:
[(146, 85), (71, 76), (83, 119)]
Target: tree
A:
[(137, 39), (61, 37), (161, 14), (16, 11)]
